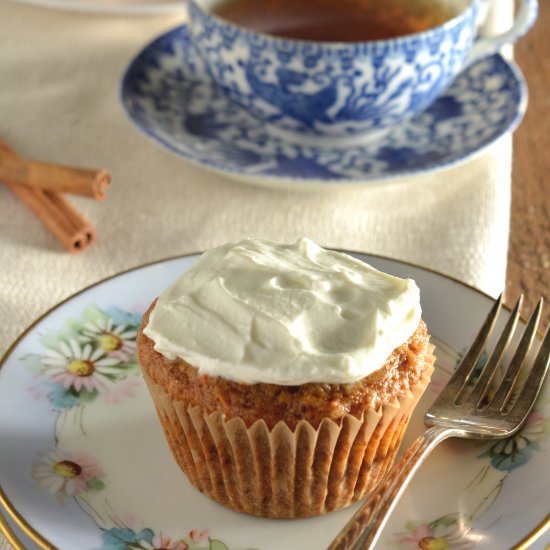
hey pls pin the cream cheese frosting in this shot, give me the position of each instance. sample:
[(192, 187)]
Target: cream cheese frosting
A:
[(259, 311)]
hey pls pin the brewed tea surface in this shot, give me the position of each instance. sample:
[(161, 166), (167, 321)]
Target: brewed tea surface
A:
[(330, 21)]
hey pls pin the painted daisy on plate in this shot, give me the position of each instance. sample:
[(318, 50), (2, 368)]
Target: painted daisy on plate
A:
[(445, 533), (67, 474), (75, 366), (116, 340), (89, 356), (132, 538)]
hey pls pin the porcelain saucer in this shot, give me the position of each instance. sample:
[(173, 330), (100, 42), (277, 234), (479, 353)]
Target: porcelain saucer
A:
[(169, 96)]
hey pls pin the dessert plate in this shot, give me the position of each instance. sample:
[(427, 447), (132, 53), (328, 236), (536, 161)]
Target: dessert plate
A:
[(84, 463), (169, 96)]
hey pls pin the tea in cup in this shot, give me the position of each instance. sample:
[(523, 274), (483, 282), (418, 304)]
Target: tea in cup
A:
[(316, 71)]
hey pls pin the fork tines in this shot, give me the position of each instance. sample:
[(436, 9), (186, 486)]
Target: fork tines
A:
[(475, 385)]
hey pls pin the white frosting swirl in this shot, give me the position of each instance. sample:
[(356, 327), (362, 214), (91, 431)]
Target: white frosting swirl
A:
[(258, 311)]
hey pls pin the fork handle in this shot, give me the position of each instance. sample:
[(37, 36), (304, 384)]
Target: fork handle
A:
[(363, 529)]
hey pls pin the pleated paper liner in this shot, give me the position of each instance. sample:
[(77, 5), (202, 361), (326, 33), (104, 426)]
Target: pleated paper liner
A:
[(282, 473)]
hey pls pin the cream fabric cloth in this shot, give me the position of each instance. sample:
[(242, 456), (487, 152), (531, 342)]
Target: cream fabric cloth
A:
[(60, 74)]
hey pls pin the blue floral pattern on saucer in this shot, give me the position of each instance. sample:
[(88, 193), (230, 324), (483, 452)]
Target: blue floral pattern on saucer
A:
[(168, 95)]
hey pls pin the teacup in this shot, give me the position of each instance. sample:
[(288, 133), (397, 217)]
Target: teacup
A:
[(316, 91)]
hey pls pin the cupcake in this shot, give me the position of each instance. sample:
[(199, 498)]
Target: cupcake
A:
[(284, 376)]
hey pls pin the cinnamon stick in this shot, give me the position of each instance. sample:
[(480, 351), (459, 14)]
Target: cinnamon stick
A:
[(70, 228), (59, 216), (53, 177)]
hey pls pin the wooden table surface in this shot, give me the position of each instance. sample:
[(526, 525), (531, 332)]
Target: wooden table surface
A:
[(529, 251)]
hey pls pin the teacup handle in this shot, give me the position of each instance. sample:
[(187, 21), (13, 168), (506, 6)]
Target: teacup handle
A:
[(484, 47)]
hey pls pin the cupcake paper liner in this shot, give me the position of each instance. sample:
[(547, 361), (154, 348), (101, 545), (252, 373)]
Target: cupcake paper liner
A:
[(284, 473)]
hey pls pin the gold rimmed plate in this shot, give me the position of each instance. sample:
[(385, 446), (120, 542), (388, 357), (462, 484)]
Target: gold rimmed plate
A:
[(84, 463)]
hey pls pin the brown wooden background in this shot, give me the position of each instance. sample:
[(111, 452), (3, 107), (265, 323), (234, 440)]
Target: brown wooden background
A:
[(529, 251)]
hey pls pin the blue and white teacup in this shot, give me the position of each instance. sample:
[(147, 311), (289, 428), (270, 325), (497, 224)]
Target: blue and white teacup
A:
[(317, 92)]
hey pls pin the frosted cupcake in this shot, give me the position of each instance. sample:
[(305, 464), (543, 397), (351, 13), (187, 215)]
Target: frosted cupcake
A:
[(284, 376)]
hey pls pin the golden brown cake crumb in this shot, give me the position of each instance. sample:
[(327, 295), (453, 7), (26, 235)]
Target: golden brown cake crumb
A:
[(272, 402)]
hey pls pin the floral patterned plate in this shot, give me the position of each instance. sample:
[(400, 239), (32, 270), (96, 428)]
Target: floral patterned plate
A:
[(84, 465)]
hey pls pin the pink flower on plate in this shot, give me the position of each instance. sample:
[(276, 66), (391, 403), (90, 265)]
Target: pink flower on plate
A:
[(117, 341), (39, 391), (126, 387), (80, 367), (422, 534), (445, 533), (67, 474), (437, 383), (196, 535), (166, 543)]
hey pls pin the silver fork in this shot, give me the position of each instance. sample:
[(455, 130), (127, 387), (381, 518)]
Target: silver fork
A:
[(470, 408)]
